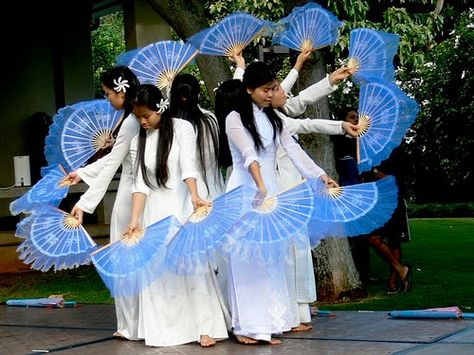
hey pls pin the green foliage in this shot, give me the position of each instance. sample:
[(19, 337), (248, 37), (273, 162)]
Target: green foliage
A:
[(266, 9), (433, 210), (107, 42), (442, 139)]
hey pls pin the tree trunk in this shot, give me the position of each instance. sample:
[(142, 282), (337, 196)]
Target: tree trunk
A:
[(188, 17), (336, 274)]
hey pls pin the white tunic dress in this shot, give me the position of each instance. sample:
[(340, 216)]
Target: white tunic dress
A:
[(301, 279), (259, 300), (98, 176), (175, 309)]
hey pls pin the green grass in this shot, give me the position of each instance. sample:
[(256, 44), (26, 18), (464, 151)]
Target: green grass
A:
[(441, 253)]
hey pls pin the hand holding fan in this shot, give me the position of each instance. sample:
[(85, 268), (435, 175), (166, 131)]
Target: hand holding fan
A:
[(203, 234), (56, 239), (371, 55), (229, 36), (264, 231), (160, 62), (385, 115), (130, 264), (87, 130), (308, 27), (351, 210), (51, 189)]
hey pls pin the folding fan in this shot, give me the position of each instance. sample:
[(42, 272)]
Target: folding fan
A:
[(264, 232), (371, 54), (351, 210), (125, 58), (51, 189), (307, 28), (229, 36), (385, 115), (160, 62), (87, 130), (56, 239), (52, 150), (23, 228), (202, 235), (130, 264)]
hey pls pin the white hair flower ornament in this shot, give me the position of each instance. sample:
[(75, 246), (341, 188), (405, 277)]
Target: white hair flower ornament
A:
[(162, 106), (122, 85)]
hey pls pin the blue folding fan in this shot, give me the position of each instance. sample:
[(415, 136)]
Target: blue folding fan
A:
[(307, 28), (23, 228), (160, 62), (56, 239), (203, 234), (52, 150), (87, 130), (125, 58), (351, 210), (230, 35), (371, 54), (385, 115), (132, 263), (264, 232), (51, 189)]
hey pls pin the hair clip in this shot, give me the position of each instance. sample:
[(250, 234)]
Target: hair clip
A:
[(122, 85), (162, 106)]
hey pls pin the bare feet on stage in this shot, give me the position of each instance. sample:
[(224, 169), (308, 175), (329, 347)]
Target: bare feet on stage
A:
[(302, 328), (274, 341), (246, 340), (118, 335), (207, 341)]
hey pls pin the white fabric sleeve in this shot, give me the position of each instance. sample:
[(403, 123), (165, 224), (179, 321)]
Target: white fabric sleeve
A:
[(305, 165), (96, 191), (138, 182), (295, 106), (239, 74), (187, 150), (238, 136), (290, 80), (89, 173), (308, 125)]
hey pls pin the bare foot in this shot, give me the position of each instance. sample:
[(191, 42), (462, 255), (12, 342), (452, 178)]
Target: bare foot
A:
[(207, 341), (246, 340), (117, 334), (302, 328), (274, 341)]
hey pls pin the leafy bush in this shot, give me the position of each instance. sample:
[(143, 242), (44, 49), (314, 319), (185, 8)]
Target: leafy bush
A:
[(430, 210)]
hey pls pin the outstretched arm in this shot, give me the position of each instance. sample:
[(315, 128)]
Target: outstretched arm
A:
[(297, 105)]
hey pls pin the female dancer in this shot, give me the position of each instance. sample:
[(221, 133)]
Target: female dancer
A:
[(119, 85), (184, 103), (260, 304), (174, 309)]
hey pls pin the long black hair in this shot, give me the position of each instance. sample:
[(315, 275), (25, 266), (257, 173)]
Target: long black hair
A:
[(257, 74), (150, 96), (227, 100), (184, 98)]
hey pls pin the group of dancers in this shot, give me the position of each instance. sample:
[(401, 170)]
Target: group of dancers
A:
[(172, 154)]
